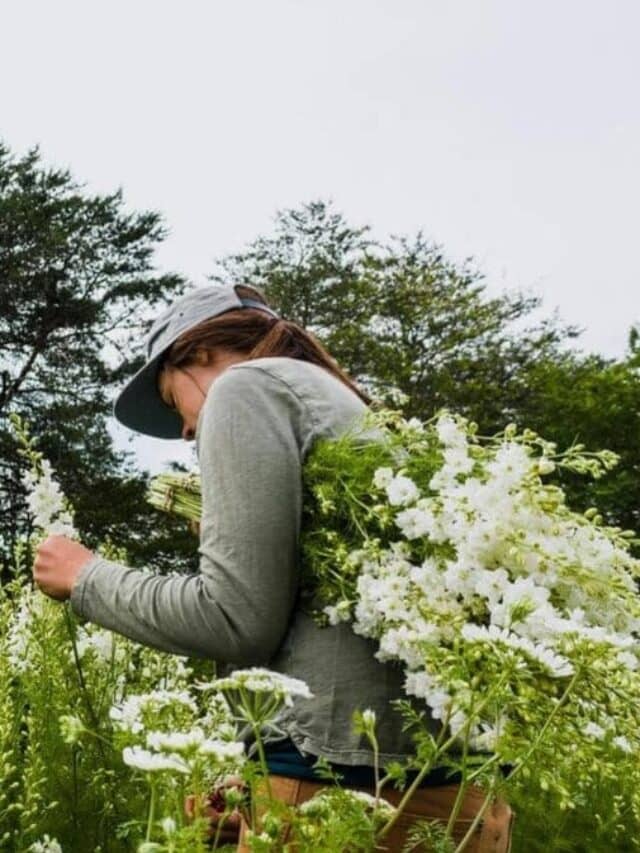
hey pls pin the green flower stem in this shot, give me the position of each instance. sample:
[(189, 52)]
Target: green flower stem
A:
[(251, 715), (263, 759), (199, 799), (483, 767), (534, 745), (225, 814), (75, 790), (182, 789), (152, 808), (464, 785), (376, 765), (99, 737), (177, 494), (83, 685), (416, 782), (354, 517), (352, 496), (440, 749), (521, 763), (477, 818)]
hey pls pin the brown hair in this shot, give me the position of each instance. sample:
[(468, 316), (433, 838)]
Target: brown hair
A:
[(256, 334)]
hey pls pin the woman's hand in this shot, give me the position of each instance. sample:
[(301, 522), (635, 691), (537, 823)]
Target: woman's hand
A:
[(57, 565), (223, 823)]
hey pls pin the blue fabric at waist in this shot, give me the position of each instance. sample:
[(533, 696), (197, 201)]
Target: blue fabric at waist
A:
[(285, 759)]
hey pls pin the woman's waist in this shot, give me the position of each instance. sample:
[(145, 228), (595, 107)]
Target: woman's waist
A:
[(283, 758)]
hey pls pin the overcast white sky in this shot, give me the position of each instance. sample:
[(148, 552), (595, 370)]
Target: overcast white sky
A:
[(507, 131)]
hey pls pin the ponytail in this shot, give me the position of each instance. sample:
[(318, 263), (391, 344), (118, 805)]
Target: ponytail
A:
[(255, 334)]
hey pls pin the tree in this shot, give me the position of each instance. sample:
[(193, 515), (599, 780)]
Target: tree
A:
[(594, 401), (400, 316), (77, 294), (312, 269), (437, 336)]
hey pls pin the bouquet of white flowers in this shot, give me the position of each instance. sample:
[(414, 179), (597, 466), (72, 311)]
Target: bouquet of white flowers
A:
[(516, 619)]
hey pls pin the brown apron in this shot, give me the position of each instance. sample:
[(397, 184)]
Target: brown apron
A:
[(491, 835)]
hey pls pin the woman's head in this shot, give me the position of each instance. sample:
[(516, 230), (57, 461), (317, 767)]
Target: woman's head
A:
[(184, 388), (201, 353)]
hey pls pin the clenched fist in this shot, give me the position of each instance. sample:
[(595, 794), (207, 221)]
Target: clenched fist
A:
[(57, 565)]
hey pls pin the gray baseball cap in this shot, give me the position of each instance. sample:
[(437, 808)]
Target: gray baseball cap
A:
[(139, 405)]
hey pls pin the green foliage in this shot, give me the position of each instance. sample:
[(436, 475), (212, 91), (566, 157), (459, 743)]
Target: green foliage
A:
[(77, 291), (413, 327), (596, 402)]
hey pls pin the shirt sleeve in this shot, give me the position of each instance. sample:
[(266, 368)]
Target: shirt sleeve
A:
[(237, 608)]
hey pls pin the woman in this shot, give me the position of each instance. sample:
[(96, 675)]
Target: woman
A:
[(254, 390)]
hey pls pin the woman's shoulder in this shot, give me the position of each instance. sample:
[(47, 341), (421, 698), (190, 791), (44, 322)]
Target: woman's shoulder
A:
[(293, 370), (296, 372), (311, 399), (330, 404), (313, 383), (257, 376)]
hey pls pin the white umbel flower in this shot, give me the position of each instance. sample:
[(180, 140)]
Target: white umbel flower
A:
[(152, 762), (260, 680)]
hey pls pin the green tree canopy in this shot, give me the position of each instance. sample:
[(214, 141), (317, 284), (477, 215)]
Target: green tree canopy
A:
[(77, 293), (402, 317)]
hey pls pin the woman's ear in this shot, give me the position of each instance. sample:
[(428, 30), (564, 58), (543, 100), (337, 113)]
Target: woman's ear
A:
[(203, 356)]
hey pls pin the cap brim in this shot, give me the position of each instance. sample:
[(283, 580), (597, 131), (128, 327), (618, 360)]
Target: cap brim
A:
[(140, 407)]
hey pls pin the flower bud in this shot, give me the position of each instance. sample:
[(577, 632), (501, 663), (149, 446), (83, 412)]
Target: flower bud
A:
[(545, 465)]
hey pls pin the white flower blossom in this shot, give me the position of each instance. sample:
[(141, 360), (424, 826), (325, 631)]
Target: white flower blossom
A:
[(47, 845), (169, 826), (46, 502), (129, 715), (382, 477), (594, 730), (401, 490), (261, 680), (152, 762), (340, 612), (622, 743)]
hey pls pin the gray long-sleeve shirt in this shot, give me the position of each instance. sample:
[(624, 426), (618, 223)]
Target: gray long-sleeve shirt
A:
[(256, 425)]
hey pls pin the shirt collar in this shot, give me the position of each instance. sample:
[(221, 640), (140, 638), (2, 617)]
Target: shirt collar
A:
[(199, 426)]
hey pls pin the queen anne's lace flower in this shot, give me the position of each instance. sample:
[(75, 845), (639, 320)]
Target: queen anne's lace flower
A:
[(129, 716), (260, 680), (152, 762), (47, 502)]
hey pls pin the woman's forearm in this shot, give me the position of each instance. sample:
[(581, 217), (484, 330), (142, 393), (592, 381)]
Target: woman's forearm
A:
[(175, 614)]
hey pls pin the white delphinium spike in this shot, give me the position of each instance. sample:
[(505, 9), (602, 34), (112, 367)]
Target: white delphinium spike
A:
[(401, 490), (31, 605), (47, 502)]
